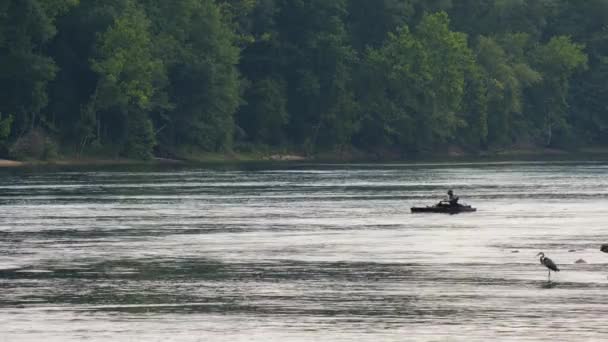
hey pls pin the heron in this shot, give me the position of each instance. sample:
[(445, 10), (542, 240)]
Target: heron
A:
[(548, 263), (604, 248)]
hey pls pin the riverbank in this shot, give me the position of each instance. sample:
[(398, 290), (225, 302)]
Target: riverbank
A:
[(10, 163), (4, 163), (343, 156)]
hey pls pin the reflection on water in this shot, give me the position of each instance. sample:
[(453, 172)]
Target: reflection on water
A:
[(305, 253)]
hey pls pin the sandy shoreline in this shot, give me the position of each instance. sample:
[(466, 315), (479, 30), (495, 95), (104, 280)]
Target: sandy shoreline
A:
[(10, 163), (5, 163), (514, 154)]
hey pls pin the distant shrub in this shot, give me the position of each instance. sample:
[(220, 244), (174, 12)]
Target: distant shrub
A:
[(141, 137), (34, 145), (5, 127)]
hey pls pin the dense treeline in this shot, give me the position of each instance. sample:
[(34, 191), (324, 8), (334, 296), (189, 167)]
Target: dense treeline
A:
[(156, 77)]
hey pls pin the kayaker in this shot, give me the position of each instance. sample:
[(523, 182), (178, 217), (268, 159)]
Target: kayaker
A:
[(453, 199)]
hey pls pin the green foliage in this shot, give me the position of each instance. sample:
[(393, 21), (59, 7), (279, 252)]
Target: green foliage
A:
[(506, 76), (400, 75), (5, 127), (25, 71), (558, 60), (371, 21), (560, 56), (267, 110), (418, 83), (317, 67), (198, 49), (128, 71), (141, 137), (448, 59), (35, 145), (129, 78)]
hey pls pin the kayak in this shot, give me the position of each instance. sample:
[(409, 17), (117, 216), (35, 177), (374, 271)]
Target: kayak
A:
[(444, 209)]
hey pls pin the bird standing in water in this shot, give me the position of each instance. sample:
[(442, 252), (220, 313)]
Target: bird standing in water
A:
[(548, 263)]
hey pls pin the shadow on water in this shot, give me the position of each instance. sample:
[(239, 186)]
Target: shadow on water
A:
[(549, 285), (283, 287)]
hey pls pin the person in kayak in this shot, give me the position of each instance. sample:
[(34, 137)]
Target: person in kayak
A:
[(452, 198)]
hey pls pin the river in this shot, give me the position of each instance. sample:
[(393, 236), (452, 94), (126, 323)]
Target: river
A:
[(303, 253)]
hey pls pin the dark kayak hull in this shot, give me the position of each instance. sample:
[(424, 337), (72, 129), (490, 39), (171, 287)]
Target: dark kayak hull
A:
[(444, 210)]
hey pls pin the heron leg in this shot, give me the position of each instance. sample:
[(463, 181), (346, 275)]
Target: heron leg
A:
[(549, 275)]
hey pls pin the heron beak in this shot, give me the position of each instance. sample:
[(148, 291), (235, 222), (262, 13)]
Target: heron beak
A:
[(541, 253)]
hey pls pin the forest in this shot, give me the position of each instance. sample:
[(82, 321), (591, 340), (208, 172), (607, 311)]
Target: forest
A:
[(156, 78)]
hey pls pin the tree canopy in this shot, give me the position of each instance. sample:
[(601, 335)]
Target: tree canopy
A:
[(153, 77)]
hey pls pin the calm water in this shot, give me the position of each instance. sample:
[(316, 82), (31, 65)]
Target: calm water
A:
[(308, 253)]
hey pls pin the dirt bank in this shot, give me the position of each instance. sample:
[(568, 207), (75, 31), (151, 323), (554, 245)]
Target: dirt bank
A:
[(9, 163)]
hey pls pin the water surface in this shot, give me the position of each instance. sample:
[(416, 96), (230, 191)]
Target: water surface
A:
[(303, 253)]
